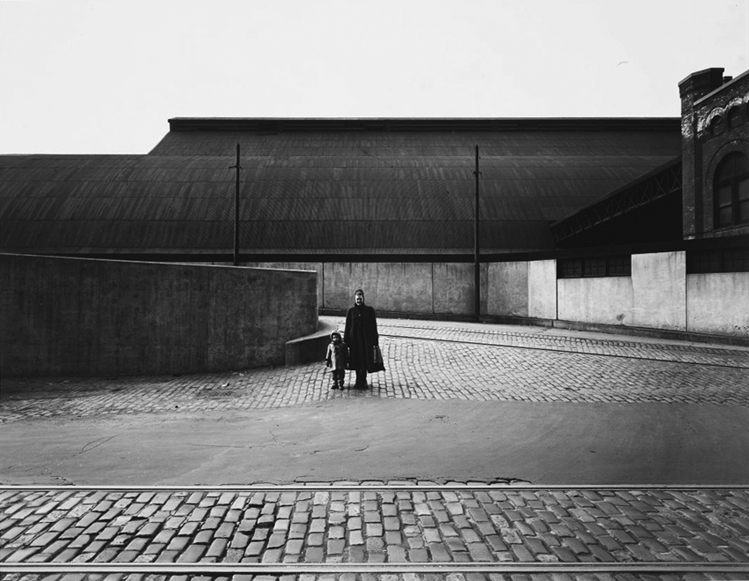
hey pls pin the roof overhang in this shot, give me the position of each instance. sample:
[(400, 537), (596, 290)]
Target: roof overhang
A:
[(656, 184)]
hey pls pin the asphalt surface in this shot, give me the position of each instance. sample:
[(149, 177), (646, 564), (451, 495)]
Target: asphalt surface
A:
[(481, 444)]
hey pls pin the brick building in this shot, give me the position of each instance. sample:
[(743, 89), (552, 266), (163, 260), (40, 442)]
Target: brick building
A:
[(715, 154), (699, 201)]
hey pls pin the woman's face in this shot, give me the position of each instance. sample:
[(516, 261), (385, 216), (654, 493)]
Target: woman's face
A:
[(359, 298)]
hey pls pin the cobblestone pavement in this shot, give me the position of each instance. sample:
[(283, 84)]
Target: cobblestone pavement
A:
[(424, 360), (370, 525), (383, 523)]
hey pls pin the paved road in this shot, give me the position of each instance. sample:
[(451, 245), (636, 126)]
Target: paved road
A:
[(481, 445), (490, 526), (426, 361)]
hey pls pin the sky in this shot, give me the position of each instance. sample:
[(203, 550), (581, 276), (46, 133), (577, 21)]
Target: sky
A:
[(105, 76)]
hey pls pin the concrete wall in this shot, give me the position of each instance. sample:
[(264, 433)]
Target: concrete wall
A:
[(508, 289), (542, 289), (453, 289), (602, 301), (660, 290), (66, 316), (718, 303), (395, 287), (315, 266), (658, 295), (414, 288)]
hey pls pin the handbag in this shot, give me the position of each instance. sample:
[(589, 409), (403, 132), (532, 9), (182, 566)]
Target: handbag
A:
[(377, 362)]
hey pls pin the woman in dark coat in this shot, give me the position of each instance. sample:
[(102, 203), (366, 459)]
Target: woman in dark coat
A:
[(361, 337)]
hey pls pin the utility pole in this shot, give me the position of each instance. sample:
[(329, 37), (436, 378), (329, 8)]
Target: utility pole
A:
[(236, 213), (476, 245)]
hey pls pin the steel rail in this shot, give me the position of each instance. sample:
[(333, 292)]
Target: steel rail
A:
[(318, 487), (203, 568)]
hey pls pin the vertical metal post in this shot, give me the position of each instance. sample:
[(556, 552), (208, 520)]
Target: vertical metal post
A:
[(476, 245), (236, 214)]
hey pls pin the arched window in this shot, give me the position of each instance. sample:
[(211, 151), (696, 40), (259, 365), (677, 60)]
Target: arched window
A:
[(731, 191)]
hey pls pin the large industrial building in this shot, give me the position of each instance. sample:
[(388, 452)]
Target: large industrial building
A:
[(343, 188), (358, 188), (391, 204)]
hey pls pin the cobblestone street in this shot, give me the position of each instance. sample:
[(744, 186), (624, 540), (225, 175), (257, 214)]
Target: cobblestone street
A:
[(361, 530), (396, 525), (425, 361)]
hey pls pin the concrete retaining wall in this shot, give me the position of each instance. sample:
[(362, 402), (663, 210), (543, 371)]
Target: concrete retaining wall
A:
[(659, 290), (542, 289), (602, 301), (658, 295), (508, 289), (718, 303), (67, 316)]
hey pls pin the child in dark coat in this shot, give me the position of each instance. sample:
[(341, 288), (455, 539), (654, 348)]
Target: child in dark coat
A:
[(336, 358)]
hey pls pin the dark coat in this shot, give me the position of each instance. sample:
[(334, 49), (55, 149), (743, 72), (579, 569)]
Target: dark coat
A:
[(361, 336)]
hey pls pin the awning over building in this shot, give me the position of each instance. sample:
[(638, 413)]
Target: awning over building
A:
[(648, 209)]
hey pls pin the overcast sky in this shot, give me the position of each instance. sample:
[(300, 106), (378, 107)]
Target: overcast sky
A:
[(104, 76)]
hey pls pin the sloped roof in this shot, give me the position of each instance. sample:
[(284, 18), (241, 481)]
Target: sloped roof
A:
[(327, 186)]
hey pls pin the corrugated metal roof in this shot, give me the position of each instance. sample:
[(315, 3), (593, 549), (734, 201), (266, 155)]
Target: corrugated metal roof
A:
[(326, 191)]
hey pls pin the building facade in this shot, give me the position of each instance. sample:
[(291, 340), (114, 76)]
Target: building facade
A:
[(715, 154), (626, 223)]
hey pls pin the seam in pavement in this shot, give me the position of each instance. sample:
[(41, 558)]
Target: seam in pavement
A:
[(531, 348)]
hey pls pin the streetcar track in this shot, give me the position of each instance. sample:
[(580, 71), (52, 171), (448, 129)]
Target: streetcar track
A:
[(496, 486), (203, 568), (465, 341)]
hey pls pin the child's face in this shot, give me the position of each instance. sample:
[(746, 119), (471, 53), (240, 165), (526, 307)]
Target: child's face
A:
[(336, 339)]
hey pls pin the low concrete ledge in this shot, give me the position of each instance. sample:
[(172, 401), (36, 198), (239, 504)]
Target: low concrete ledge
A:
[(309, 348)]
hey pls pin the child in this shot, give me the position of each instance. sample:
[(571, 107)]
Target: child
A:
[(336, 359)]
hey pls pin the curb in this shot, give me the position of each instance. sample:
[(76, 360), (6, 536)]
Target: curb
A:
[(309, 348)]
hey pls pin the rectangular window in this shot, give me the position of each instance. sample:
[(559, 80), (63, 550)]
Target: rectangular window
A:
[(725, 206), (720, 260), (731, 190), (724, 196), (620, 266), (743, 191), (569, 268), (736, 260), (594, 267)]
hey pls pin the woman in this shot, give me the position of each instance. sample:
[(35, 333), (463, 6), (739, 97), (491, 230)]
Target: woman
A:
[(361, 337)]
